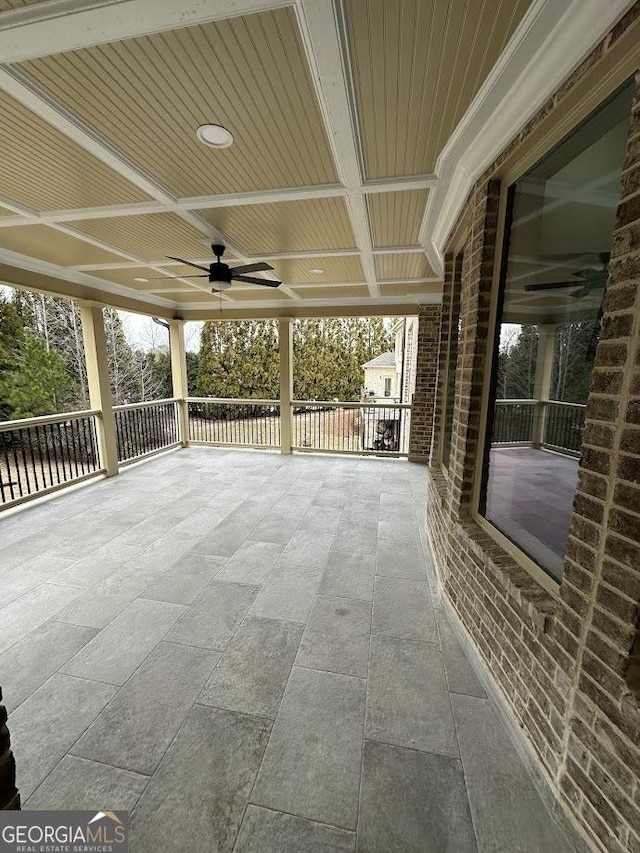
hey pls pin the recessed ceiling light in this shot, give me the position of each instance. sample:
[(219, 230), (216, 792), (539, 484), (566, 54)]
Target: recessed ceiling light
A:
[(141, 279), (214, 135), (317, 271)]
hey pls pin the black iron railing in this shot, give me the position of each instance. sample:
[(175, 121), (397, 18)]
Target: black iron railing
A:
[(239, 422), (351, 427), (513, 422), (38, 455), (544, 423), (146, 428), (564, 426)]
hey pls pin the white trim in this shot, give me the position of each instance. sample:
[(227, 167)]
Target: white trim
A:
[(412, 300), (550, 42), (329, 67), (62, 25)]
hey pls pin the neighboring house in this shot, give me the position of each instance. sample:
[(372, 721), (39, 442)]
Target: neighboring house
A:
[(381, 377), (390, 378), (392, 375)]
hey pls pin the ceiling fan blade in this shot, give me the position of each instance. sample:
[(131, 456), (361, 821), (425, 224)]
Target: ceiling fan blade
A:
[(188, 263), (555, 285), (265, 282), (257, 267), (169, 277)]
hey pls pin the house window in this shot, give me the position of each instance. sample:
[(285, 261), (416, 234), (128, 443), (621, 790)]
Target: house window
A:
[(452, 331), (561, 220), (387, 386)]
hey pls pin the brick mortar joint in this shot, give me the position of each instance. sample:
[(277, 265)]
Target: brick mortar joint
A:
[(623, 396)]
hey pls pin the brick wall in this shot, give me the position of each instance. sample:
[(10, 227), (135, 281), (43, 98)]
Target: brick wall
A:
[(423, 400), (568, 668)]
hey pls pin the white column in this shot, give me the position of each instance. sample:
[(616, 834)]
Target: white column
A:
[(542, 380), (285, 338), (96, 359), (179, 377)]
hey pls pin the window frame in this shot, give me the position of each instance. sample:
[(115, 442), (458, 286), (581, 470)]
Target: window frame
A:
[(507, 191), (513, 172)]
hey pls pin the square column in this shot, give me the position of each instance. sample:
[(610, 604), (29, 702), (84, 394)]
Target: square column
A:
[(424, 397), (179, 377), (97, 362), (285, 340), (542, 381)]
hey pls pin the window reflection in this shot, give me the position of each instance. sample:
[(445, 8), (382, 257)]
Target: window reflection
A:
[(562, 220)]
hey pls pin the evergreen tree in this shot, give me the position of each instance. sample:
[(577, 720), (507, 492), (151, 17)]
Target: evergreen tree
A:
[(38, 383), (11, 337), (238, 360)]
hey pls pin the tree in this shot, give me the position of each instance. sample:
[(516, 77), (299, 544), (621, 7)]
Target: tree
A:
[(11, 337), (58, 322), (238, 360), (38, 382), (573, 360), (517, 362)]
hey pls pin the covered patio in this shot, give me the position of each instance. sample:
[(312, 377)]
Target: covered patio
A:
[(248, 649)]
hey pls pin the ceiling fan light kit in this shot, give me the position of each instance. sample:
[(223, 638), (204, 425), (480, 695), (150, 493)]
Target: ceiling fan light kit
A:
[(222, 276)]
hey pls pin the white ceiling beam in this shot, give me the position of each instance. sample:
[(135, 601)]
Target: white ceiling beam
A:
[(346, 303), (394, 185), (209, 202), (281, 256), (324, 48), (549, 43), (61, 25), (261, 197)]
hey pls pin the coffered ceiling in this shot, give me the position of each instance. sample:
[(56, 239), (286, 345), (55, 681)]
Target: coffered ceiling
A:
[(339, 110)]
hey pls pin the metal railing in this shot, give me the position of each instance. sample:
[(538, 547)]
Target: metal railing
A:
[(351, 427), (145, 428), (543, 423), (234, 422), (564, 426), (513, 422), (39, 455)]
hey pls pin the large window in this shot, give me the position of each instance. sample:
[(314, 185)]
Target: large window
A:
[(561, 219)]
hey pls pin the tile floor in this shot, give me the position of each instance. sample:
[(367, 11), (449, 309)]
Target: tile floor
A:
[(530, 496), (246, 651)]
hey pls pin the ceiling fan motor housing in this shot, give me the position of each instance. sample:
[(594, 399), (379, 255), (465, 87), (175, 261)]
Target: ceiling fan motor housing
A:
[(220, 276)]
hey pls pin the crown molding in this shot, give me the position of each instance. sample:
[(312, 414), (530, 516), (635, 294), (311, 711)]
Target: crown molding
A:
[(551, 41)]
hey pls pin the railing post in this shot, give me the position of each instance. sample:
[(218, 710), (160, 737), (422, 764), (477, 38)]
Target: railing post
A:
[(285, 339), (179, 377), (97, 362), (542, 381)]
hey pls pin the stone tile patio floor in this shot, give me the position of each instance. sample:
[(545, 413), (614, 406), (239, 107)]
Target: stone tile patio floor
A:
[(243, 650)]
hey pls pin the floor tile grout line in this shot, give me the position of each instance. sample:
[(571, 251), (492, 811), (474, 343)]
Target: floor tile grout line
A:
[(414, 749)]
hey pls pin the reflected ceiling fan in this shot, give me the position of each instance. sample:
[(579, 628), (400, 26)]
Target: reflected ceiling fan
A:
[(221, 275), (594, 277)]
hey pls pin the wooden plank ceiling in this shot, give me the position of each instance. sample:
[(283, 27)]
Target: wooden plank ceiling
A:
[(102, 176)]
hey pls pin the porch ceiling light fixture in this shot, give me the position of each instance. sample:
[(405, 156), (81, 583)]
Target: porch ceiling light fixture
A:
[(214, 135), (141, 279), (316, 271)]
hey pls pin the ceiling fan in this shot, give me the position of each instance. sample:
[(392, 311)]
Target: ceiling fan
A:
[(592, 277), (221, 275)]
